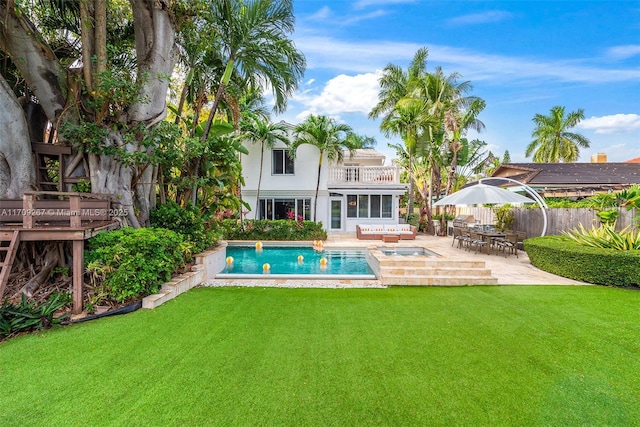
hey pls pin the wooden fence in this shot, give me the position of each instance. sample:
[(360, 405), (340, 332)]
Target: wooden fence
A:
[(530, 220)]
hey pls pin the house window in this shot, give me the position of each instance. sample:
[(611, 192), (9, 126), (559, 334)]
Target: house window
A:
[(282, 163), (369, 206), (280, 208)]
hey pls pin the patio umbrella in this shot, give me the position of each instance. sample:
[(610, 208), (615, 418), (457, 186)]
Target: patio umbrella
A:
[(482, 193)]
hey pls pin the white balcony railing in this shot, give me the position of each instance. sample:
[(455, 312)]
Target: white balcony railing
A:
[(364, 175)]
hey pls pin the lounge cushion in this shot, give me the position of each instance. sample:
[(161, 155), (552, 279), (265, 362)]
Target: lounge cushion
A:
[(405, 228), (391, 229)]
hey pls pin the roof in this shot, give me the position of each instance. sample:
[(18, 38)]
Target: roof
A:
[(365, 153), (575, 176), (636, 160), (571, 173)]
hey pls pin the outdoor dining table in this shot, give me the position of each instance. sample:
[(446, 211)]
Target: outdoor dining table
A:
[(489, 235)]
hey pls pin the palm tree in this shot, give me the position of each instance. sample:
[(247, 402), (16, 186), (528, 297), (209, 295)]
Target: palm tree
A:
[(408, 120), (457, 122), (401, 107), (553, 142), (267, 134), (254, 43), (328, 137)]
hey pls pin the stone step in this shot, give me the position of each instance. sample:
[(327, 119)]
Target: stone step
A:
[(432, 263), (437, 271), (392, 280)]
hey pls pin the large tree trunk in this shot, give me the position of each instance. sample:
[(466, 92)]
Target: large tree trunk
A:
[(17, 170), (109, 176), (156, 51), (36, 61)]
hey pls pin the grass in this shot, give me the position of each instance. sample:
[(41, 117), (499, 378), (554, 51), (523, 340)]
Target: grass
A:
[(323, 357)]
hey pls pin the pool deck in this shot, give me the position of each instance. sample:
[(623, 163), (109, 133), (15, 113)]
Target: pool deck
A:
[(507, 270)]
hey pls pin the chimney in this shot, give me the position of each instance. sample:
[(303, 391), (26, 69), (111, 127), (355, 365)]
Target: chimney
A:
[(599, 158)]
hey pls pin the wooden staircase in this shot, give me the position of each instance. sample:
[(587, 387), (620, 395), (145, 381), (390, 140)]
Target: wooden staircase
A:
[(8, 249)]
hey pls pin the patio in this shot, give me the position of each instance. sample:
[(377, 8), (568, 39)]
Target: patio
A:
[(508, 271)]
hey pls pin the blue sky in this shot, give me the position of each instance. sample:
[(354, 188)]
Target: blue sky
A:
[(522, 58)]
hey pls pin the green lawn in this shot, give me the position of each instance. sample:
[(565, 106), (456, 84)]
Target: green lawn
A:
[(507, 355)]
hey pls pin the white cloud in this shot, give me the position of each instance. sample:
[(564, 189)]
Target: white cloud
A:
[(363, 57), (322, 13), (616, 123), (366, 3), (624, 52), (480, 18), (344, 94), (359, 18)]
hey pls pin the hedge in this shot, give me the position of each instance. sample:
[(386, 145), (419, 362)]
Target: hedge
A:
[(560, 255), (279, 229)]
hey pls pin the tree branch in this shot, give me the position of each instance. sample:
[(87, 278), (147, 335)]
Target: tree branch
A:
[(36, 61)]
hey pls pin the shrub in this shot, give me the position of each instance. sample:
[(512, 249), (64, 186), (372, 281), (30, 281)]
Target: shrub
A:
[(131, 263), (564, 257), (279, 229), (185, 221), (30, 316), (504, 216), (414, 219)]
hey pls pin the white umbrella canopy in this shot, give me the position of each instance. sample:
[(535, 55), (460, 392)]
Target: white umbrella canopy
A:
[(482, 193)]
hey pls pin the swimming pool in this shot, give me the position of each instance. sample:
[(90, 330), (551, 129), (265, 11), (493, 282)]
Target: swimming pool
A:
[(290, 261)]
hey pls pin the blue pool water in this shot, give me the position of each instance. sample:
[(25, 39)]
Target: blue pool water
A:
[(408, 251), (247, 260)]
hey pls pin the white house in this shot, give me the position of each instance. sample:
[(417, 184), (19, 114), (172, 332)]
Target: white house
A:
[(360, 190)]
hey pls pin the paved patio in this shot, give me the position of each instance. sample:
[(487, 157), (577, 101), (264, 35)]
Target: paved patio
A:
[(509, 270)]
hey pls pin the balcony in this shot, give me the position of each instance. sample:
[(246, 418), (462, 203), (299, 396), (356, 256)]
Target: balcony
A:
[(355, 175)]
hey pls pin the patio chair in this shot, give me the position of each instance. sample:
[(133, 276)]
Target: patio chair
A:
[(475, 239), (509, 243), (460, 236), (521, 236)]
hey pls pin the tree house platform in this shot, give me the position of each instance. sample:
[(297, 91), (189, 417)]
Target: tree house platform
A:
[(46, 216)]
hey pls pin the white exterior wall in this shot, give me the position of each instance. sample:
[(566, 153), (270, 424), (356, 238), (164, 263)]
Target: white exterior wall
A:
[(300, 185)]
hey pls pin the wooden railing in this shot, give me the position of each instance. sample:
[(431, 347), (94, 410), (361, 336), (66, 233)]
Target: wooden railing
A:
[(68, 208), (364, 174)]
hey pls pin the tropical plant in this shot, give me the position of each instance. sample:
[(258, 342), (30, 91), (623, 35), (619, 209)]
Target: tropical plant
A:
[(605, 236), (553, 142), (630, 199), (30, 315), (471, 161), (401, 108), (253, 42), (329, 137), (504, 216), (408, 120), (462, 116)]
